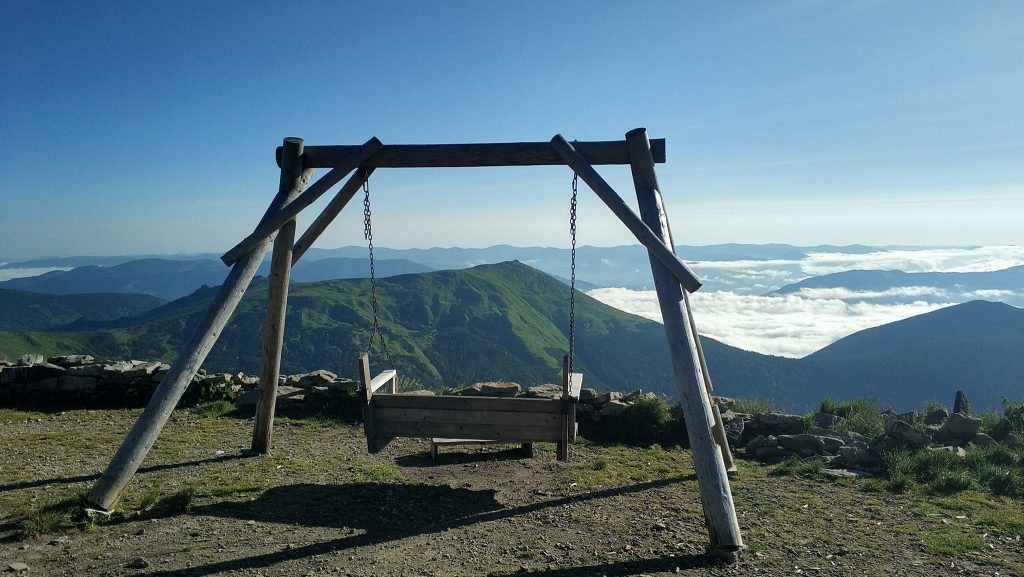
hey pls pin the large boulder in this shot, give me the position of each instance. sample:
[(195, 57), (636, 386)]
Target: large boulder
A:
[(962, 427), (776, 424), (803, 443), (724, 403), (127, 372), (905, 433), (613, 408), (68, 361), (960, 404), (827, 420), (29, 360), (500, 389), (936, 417), (548, 391), (733, 425)]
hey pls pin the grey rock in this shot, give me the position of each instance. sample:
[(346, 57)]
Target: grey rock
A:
[(854, 436), (612, 408), (776, 424), (311, 379), (420, 393), (17, 567), (28, 360), (632, 396), (837, 474), (803, 443), (68, 361), (724, 403), (906, 433), (960, 404), (500, 389), (587, 395), (942, 437), (755, 443), (93, 370), (126, 372), (827, 420), (40, 371), (858, 456), (983, 440), (912, 417), (343, 385), (733, 425), (936, 417), (607, 398), (285, 394), (470, 391), (138, 563), (962, 427), (548, 391), (75, 383)]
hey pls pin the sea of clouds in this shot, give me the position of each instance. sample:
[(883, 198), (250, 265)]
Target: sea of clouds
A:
[(733, 307)]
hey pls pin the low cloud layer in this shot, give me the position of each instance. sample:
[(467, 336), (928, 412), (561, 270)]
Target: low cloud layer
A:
[(789, 326)]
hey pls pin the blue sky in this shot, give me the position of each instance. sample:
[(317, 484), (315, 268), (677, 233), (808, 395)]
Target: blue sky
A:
[(146, 127)]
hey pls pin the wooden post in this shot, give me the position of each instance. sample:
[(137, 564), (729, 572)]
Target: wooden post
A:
[(136, 445), (334, 176), (277, 304), (716, 495), (562, 451), (718, 429), (329, 213), (367, 393), (643, 233)]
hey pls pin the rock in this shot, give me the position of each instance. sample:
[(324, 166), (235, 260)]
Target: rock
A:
[(470, 391), (755, 443), (630, 397), (587, 395), (936, 417), (776, 424), (942, 437), (960, 404), (733, 425), (17, 567), (285, 393), (29, 360), (419, 393), (911, 417), (854, 437), (857, 457), (803, 443), (217, 379), (93, 370), (138, 563), (837, 474), (548, 391), (724, 403), (41, 371), (612, 408), (77, 384), (125, 372), (607, 398), (827, 420), (983, 440), (905, 433), (68, 361), (245, 381), (500, 389), (311, 379), (50, 385), (963, 427), (958, 451)]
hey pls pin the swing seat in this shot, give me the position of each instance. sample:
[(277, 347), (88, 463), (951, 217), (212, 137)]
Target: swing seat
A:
[(387, 415)]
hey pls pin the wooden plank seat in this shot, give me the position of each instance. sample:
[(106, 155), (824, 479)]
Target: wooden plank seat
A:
[(387, 415)]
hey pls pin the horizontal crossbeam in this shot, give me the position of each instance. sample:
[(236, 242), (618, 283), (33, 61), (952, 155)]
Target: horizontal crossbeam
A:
[(468, 155)]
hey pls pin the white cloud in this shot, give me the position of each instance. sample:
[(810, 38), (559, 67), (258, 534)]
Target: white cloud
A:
[(790, 325), (976, 259), (892, 293)]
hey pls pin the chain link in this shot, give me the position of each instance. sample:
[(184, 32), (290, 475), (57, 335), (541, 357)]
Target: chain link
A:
[(368, 233), (572, 276)]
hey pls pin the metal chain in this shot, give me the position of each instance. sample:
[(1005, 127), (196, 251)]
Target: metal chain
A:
[(368, 233), (572, 276)]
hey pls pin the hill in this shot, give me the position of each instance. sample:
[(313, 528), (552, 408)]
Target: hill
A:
[(927, 286), (974, 346), (171, 279), (27, 311), (492, 322)]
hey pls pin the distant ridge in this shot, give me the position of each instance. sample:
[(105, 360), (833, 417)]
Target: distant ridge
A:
[(26, 311)]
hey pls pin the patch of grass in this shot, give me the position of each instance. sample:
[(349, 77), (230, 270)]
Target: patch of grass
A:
[(1012, 420), (178, 503), (948, 482), (950, 543), (148, 499), (54, 517), (1009, 483), (218, 408), (599, 464), (378, 472), (752, 406), (810, 468), (860, 416)]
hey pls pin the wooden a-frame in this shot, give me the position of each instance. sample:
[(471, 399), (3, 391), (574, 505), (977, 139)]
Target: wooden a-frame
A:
[(673, 281)]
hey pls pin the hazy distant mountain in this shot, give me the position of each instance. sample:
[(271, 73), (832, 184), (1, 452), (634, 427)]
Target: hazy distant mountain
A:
[(975, 346), (892, 286), (26, 311), (171, 279), (509, 321)]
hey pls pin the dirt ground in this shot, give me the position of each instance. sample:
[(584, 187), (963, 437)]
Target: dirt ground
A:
[(319, 505)]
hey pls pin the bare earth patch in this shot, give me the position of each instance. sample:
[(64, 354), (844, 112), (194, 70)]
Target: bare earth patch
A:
[(319, 505)]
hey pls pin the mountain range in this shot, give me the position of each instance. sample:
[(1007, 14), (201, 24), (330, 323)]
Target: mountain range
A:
[(509, 321)]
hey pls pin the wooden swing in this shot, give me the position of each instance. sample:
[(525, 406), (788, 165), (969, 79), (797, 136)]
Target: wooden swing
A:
[(390, 414), (453, 419)]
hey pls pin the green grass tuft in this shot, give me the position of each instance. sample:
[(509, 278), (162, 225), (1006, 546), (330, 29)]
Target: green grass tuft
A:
[(752, 406), (796, 467), (950, 543), (54, 517)]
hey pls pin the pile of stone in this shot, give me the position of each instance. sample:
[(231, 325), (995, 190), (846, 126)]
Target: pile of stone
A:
[(772, 437), (592, 404), (82, 379)]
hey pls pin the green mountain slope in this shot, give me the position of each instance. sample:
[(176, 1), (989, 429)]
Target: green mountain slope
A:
[(22, 310), (491, 322)]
